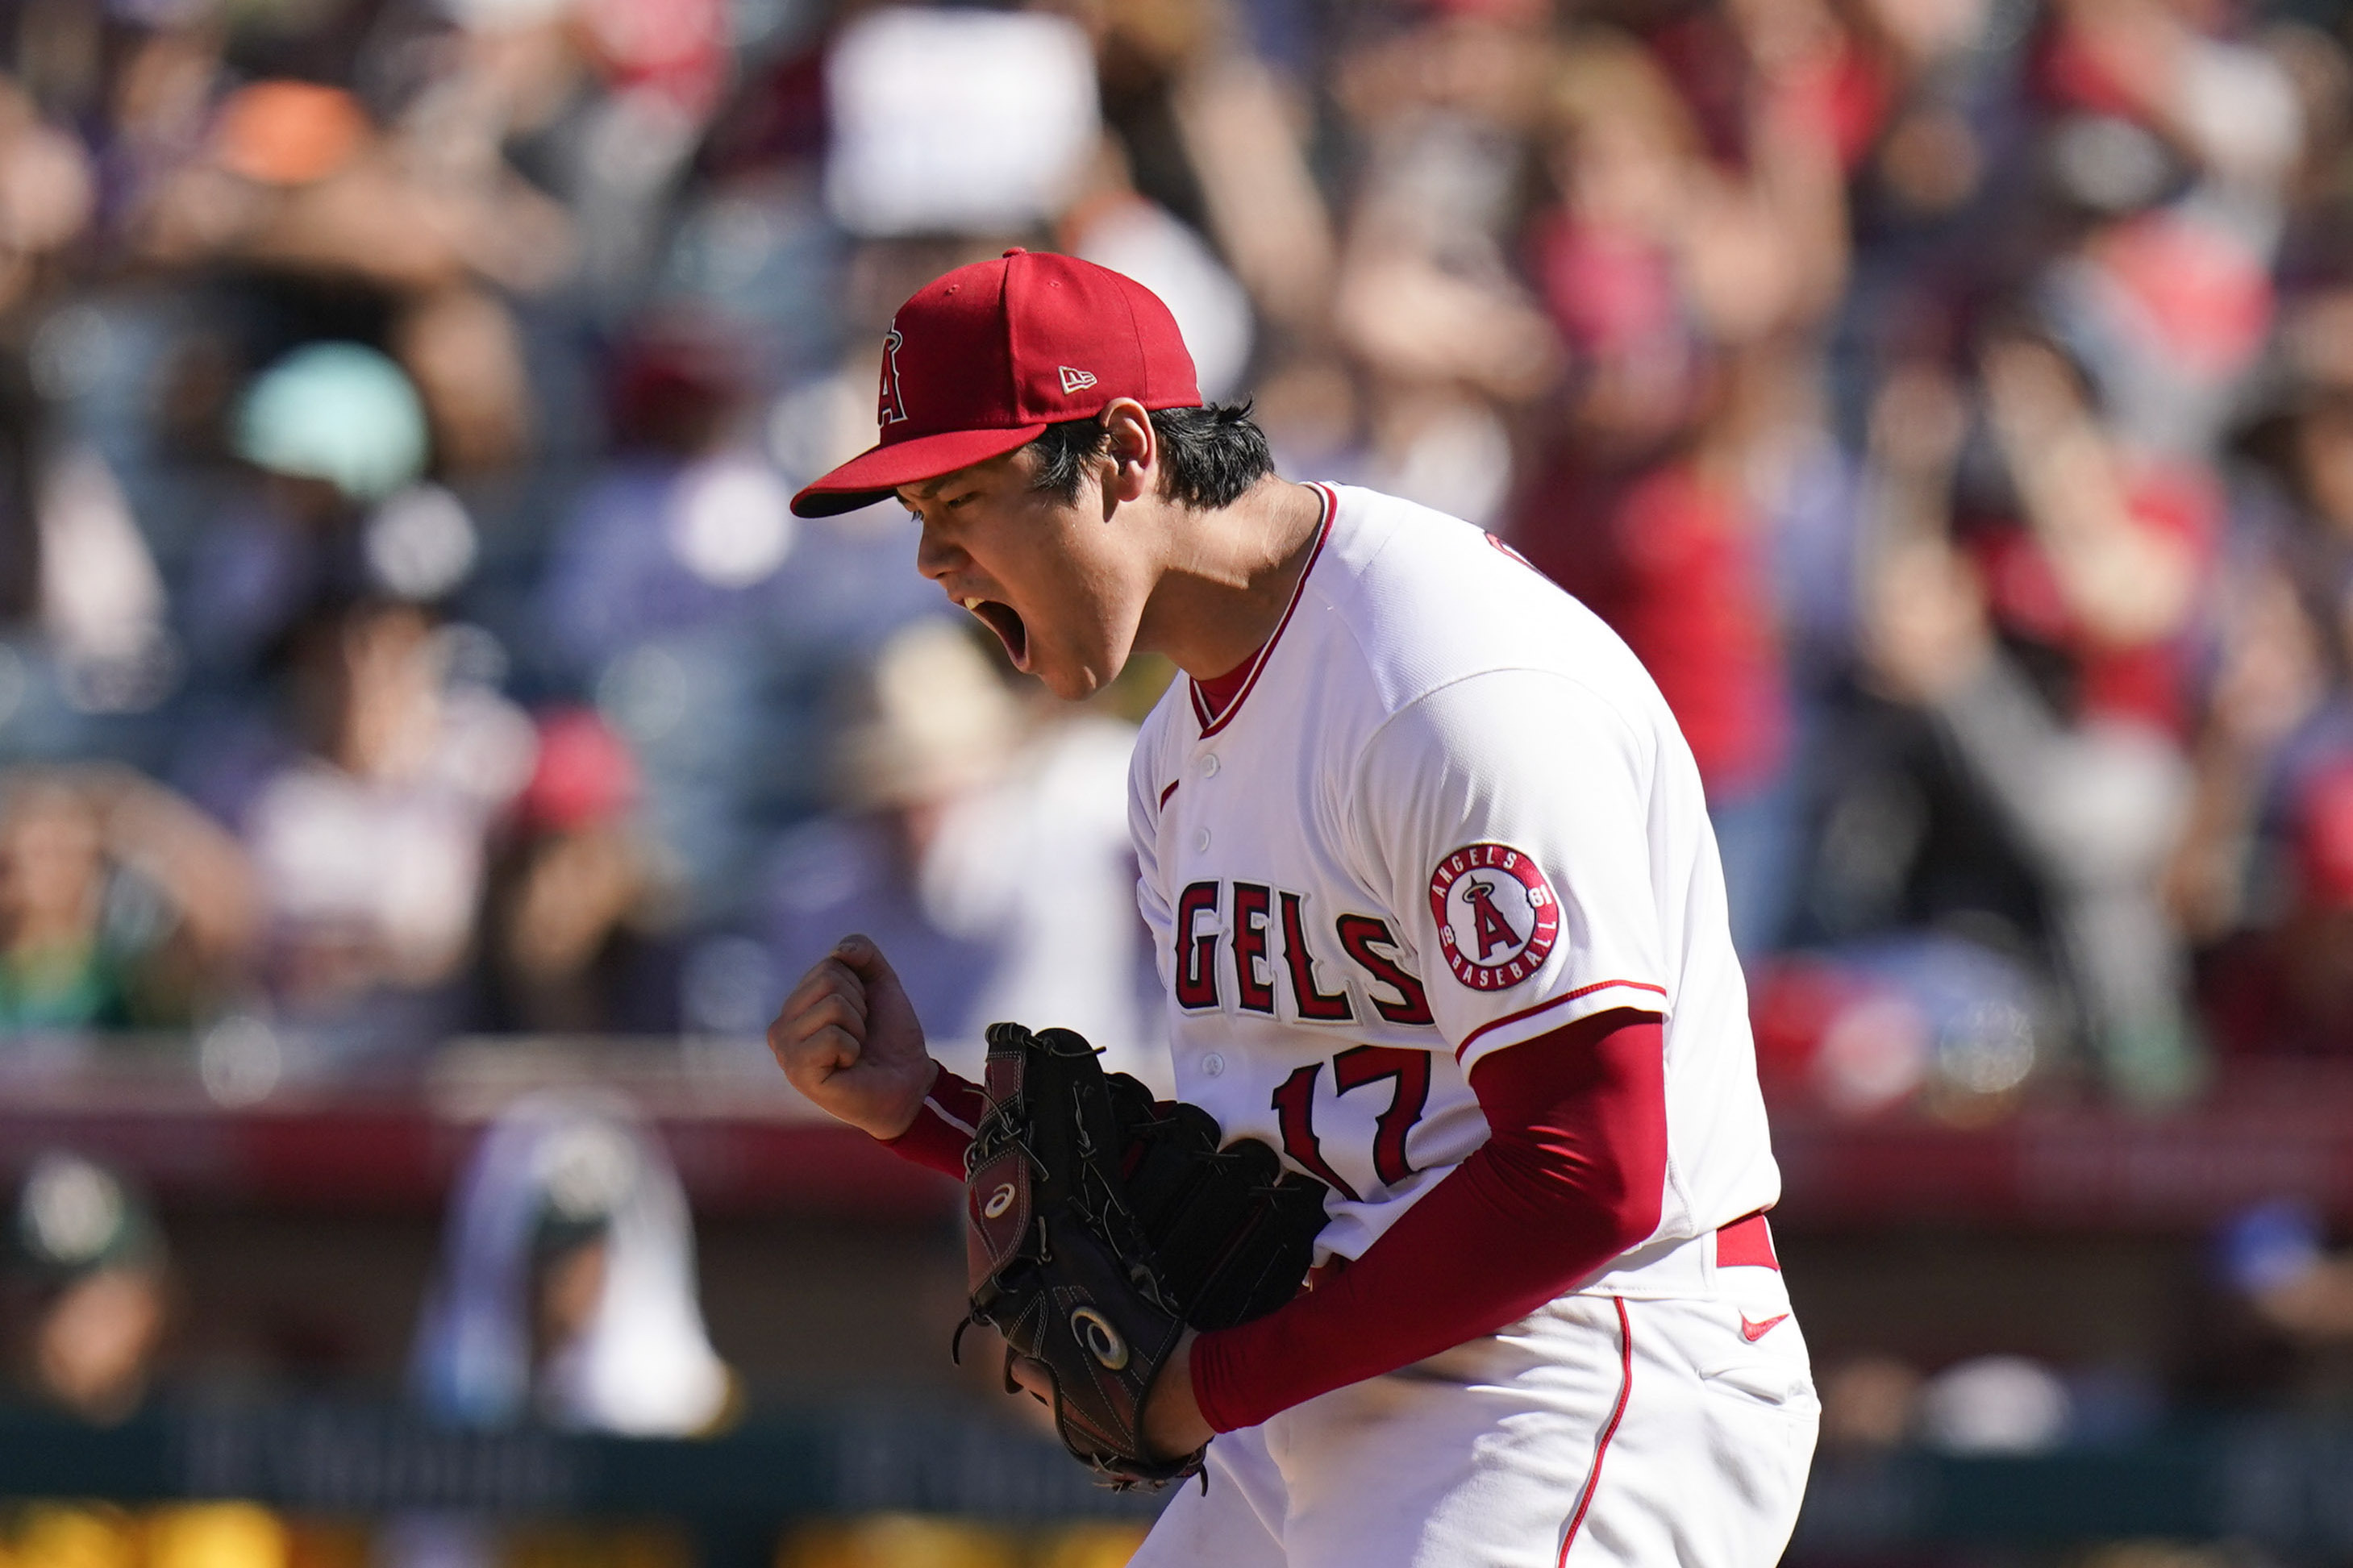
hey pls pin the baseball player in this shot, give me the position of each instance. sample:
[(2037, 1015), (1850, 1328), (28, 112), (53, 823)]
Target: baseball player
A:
[(1429, 871)]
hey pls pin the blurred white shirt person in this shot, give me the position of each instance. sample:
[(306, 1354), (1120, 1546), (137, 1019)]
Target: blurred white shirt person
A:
[(567, 1289), (566, 1295)]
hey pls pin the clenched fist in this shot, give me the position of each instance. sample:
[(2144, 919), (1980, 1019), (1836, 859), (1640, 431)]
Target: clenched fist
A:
[(848, 1039)]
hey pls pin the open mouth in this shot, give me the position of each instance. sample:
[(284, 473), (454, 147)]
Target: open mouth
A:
[(1005, 622)]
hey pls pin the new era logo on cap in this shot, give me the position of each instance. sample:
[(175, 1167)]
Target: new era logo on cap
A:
[(1073, 380)]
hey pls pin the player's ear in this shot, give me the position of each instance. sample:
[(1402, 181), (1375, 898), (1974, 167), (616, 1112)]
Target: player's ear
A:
[(1130, 448)]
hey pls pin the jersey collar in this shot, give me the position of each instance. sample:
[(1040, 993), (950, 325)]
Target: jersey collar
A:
[(1212, 723)]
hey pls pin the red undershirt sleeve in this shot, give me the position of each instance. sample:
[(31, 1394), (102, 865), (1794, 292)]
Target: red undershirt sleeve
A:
[(1573, 1173), (942, 1130)]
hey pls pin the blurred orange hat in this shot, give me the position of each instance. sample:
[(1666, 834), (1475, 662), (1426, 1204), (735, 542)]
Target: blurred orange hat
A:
[(288, 133)]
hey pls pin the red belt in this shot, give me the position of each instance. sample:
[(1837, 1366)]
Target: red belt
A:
[(1745, 1240)]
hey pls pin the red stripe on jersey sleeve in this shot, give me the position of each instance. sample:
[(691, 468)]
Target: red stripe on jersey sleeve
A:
[(942, 1130), (1560, 1001), (1574, 1174)]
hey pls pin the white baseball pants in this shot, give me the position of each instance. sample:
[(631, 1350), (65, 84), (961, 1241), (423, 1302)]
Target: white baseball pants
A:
[(1600, 1430)]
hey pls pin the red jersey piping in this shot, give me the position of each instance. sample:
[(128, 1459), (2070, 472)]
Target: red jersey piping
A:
[(1601, 1448), (1217, 693), (1560, 1000), (1213, 722)]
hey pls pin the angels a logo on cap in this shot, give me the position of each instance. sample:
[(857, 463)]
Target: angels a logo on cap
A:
[(1497, 917), (892, 406)]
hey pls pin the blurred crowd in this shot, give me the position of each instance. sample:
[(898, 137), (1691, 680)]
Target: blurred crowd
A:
[(566, 1295), (402, 631)]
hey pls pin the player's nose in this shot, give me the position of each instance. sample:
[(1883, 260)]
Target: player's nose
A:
[(935, 557)]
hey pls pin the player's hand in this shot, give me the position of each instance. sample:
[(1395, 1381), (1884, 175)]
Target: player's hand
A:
[(1173, 1422), (848, 1039)]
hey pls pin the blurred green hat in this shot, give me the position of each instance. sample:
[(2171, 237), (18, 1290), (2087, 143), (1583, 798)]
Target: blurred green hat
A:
[(338, 412), (74, 1216), (585, 1173)]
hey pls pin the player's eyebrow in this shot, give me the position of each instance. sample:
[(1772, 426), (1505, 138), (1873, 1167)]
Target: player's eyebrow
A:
[(931, 490)]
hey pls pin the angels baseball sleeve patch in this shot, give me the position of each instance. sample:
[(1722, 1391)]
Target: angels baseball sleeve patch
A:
[(1496, 915)]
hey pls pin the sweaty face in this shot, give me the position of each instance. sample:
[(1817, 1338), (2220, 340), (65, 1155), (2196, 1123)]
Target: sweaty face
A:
[(1061, 588)]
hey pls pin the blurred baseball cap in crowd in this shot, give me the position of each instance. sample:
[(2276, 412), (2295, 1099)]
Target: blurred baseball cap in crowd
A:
[(74, 1217), (583, 774), (585, 1172), (929, 720), (339, 411), (981, 360), (288, 133), (675, 381)]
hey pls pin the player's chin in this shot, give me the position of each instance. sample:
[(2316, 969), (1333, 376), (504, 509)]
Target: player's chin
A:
[(1073, 677), (1068, 662)]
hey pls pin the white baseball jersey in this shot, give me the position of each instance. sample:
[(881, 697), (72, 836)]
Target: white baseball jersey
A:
[(1447, 812)]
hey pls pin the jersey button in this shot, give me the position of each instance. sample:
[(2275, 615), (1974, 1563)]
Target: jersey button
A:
[(1209, 766), (1212, 1065), (1201, 841)]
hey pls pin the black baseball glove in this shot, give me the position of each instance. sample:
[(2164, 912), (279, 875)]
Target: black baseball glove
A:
[(1100, 1225)]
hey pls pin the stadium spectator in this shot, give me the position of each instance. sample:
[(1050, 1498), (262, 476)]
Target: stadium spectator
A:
[(566, 1295), (91, 1282), (2286, 987), (120, 905), (576, 936), (708, 621), (2084, 786), (1682, 289), (987, 841), (328, 432), (369, 840), (567, 1291)]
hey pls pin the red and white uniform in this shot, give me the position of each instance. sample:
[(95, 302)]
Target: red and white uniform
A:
[(1444, 812), (1439, 914)]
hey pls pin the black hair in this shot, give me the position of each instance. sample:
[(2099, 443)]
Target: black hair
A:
[(1209, 456)]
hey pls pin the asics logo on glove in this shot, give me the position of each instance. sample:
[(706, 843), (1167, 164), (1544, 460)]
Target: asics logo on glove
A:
[(1102, 1341)]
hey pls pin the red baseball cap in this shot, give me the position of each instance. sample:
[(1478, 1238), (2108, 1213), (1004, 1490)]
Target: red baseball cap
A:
[(981, 360)]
